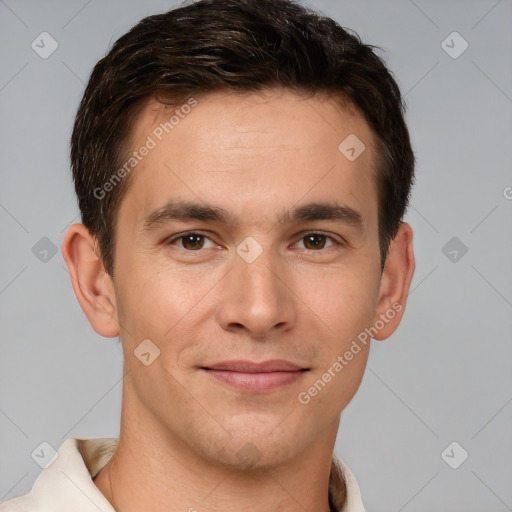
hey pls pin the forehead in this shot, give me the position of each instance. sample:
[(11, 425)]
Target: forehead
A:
[(251, 151)]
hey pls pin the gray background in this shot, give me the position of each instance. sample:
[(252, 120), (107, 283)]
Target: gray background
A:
[(443, 377)]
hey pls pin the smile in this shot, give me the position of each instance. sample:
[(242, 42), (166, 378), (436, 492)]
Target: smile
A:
[(256, 377)]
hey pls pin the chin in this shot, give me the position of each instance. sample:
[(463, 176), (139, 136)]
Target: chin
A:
[(253, 451), (252, 457)]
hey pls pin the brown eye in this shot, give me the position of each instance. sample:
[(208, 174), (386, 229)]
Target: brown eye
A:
[(192, 242), (315, 241)]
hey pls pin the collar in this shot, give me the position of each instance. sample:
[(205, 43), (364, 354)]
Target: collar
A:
[(68, 481)]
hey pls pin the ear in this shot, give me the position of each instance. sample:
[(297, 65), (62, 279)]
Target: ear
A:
[(395, 282), (92, 285)]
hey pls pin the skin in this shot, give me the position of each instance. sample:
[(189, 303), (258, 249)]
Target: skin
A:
[(186, 439)]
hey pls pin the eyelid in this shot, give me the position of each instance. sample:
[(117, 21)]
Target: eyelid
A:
[(172, 239), (335, 238)]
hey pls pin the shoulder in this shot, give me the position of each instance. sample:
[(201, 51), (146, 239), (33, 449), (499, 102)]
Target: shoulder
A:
[(343, 488), (18, 504), (66, 482)]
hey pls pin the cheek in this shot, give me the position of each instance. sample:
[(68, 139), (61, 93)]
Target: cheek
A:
[(158, 303), (343, 305), (343, 300), (328, 392)]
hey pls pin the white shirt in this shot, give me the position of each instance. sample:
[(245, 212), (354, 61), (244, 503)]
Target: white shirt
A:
[(66, 485)]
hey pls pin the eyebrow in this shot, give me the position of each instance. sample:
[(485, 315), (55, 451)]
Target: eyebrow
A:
[(187, 210)]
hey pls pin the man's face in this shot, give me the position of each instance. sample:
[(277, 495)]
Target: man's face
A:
[(268, 279)]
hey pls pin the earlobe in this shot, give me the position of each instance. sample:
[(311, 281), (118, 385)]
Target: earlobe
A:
[(93, 287), (395, 282)]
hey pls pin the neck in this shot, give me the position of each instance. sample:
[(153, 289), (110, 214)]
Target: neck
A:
[(152, 469), (133, 480)]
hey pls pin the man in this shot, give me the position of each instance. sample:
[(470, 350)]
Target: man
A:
[(242, 169)]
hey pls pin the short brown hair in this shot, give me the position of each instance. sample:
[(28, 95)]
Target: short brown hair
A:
[(238, 46)]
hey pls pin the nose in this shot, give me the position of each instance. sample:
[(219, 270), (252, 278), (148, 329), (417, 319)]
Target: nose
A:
[(256, 298)]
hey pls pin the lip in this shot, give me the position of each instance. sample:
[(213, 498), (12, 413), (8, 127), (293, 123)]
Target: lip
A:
[(256, 377)]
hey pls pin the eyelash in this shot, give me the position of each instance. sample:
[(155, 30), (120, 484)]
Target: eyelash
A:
[(303, 235)]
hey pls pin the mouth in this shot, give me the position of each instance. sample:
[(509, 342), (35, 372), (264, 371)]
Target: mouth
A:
[(255, 377)]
